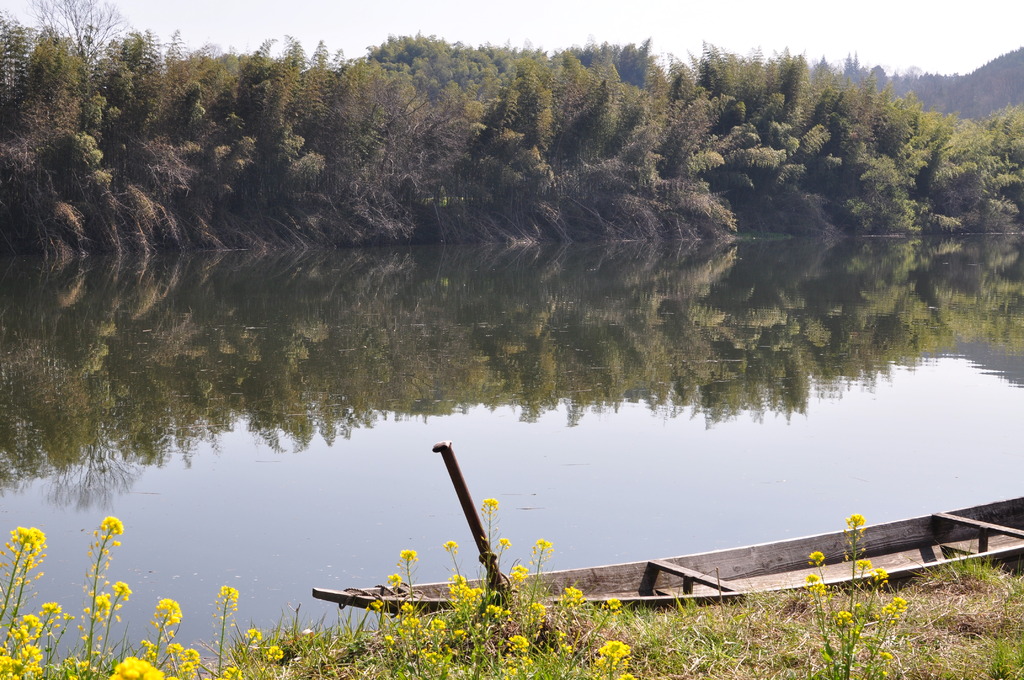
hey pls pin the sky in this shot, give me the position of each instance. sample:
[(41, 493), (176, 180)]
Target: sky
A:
[(894, 34)]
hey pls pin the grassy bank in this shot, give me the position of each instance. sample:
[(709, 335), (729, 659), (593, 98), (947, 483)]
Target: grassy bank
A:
[(965, 621)]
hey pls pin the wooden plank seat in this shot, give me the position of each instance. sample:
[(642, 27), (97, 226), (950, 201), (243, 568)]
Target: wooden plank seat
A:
[(984, 530), (689, 576)]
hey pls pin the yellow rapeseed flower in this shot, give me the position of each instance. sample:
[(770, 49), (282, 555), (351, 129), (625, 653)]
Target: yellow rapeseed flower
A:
[(452, 547), (572, 597), (542, 550), (151, 649), (228, 594), (490, 506), (112, 526), (29, 657), (409, 623), (855, 522), (122, 591), (51, 610), (190, 659), (133, 668), (880, 576), (409, 556), (517, 644), (817, 558), (102, 603), (895, 608), (32, 622), (814, 586), (504, 543), (519, 573), (395, 580), (9, 668), (254, 635), (461, 593), (613, 654), (21, 635), (614, 649), (26, 550), (28, 539), (168, 613), (863, 565), (844, 618), (274, 654)]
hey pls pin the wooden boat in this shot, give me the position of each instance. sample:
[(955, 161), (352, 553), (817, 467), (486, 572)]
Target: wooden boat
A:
[(903, 548)]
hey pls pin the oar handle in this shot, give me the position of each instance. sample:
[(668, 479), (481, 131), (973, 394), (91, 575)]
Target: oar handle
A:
[(476, 527)]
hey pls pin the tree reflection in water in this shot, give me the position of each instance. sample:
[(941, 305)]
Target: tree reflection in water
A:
[(110, 367)]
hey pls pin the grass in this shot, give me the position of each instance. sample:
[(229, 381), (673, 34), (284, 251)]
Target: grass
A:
[(964, 620)]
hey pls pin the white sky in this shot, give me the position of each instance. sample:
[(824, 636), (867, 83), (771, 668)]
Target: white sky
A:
[(894, 34)]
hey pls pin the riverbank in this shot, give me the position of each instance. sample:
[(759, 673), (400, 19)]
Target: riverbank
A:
[(963, 622)]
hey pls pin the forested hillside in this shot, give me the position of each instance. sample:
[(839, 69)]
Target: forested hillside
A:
[(134, 145), (994, 86)]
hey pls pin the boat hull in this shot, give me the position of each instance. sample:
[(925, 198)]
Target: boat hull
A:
[(904, 548)]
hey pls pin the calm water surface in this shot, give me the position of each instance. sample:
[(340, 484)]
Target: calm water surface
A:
[(266, 422)]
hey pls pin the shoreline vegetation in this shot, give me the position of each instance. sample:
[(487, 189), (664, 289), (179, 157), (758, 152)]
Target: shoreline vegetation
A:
[(964, 621), (130, 145)]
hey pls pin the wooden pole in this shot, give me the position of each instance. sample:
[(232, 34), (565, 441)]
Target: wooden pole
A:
[(476, 527)]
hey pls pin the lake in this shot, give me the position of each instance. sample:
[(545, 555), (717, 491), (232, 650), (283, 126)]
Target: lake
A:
[(266, 422)]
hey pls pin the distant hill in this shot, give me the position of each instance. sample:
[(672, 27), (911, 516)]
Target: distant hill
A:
[(994, 86), (433, 64)]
